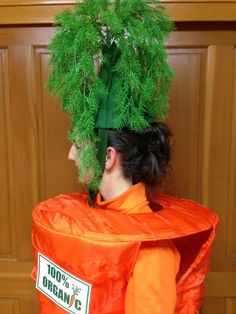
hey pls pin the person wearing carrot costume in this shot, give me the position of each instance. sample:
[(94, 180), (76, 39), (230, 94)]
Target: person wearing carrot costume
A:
[(121, 248)]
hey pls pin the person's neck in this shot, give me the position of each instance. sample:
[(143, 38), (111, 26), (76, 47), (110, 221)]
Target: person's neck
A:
[(113, 185)]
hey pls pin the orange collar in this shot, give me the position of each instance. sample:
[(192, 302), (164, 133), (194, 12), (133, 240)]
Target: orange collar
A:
[(132, 201)]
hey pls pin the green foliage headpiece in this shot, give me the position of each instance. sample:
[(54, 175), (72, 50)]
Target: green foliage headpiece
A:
[(110, 70)]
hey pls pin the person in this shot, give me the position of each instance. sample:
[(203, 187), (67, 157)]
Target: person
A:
[(135, 164), (120, 248), (140, 251)]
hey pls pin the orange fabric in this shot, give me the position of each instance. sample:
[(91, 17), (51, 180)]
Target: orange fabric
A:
[(133, 201), (152, 286), (101, 247)]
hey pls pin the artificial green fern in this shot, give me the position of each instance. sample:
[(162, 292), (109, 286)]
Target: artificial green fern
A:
[(135, 31)]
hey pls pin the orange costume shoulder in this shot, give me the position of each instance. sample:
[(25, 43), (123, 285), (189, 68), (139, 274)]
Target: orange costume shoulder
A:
[(121, 257)]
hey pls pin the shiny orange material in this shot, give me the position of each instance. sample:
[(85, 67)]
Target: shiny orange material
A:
[(106, 247), (152, 287)]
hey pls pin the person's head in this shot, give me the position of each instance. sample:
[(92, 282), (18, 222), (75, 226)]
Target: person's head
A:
[(133, 157), (143, 157)]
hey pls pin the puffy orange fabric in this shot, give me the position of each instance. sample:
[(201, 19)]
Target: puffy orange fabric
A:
[(152, 286), (102, 247)]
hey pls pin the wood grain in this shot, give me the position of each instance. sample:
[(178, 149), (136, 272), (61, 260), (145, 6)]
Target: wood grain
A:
[(187, 96), (43, 12), (9, 306), (56, 174), (6, 232), (34, 146), (231, 241)]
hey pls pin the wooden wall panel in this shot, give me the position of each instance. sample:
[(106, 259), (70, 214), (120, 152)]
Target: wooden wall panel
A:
[(206, 36), (219, 188), (231, 237), (6, 223), (14, 306), (231, 305), (34, 2), (187, 99), (221, 284), (43, 11), (56, 173), (34, 150), (15, 280), (29, 306), (9, 306), (214, 305), (215, 179), (23, 147), (43, 2), (18, 178)]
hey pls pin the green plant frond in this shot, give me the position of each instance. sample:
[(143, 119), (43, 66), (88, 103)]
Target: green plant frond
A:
[(138, 123), (90, 169), (115, 24), (135, 32)]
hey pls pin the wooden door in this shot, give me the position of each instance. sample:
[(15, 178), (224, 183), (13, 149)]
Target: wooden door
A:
[(34, 148), (203, 120), (33, 158)]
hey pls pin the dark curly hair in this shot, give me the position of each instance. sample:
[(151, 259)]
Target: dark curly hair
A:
[(145, 157)]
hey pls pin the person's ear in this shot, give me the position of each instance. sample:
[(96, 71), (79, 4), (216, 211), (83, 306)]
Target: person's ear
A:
[(111, 158)]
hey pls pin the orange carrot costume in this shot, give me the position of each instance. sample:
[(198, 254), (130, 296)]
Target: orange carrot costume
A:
[(119, 257), (124, 253)]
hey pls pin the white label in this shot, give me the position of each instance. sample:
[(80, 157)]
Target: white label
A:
[(69, 292)]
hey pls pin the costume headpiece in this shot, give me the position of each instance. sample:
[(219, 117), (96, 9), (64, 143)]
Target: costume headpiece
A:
[(110, 70)]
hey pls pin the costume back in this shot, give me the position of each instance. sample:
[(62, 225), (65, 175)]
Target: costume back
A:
[(94, 251)]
